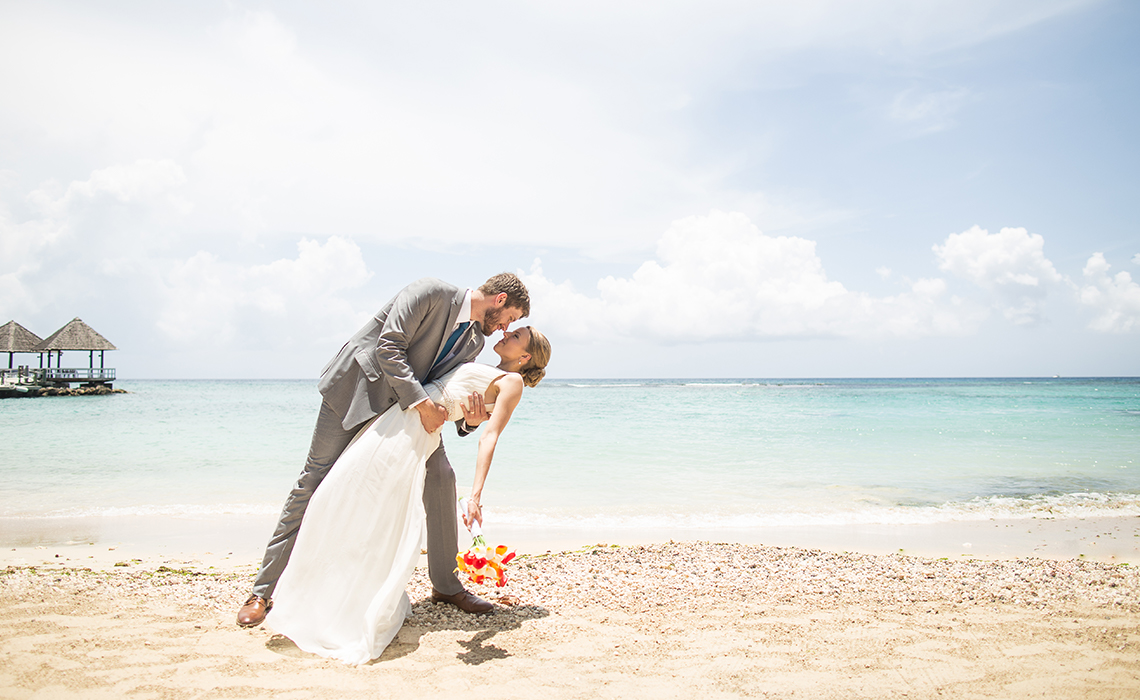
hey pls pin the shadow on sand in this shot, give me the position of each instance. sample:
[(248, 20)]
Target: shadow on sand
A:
[(427, 617)]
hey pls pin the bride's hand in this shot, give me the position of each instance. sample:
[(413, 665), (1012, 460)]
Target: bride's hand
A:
[(474, 513), (478, 412)]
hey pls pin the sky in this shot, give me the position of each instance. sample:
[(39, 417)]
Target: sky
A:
[(754, 189)]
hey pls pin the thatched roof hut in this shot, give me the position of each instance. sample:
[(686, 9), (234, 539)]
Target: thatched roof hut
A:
[(15, 338), (76, 335)]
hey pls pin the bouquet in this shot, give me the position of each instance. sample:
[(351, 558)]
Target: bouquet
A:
[(481, 562)]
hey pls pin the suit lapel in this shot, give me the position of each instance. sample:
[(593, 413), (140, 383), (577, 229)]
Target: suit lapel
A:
[(469, 339), (466, 349)]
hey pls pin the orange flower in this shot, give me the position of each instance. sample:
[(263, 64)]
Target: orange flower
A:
[(482, 562)]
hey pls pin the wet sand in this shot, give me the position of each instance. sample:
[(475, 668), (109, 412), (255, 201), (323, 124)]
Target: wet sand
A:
[(236, 540)]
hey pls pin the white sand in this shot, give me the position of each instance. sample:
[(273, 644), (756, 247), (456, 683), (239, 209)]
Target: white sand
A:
[(661, 620), (669, 620)]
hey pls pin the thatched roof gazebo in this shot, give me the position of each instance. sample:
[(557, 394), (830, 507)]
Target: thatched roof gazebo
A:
[(15, 338), (76, 335)]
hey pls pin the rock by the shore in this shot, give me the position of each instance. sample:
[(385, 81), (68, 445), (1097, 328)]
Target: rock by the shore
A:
[(28, 392)]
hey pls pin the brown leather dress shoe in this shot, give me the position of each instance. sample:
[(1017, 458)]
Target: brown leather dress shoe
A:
[(464, 600), (253, 612)]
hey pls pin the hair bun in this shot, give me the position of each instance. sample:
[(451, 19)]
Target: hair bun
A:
[(533, 375), (539, 349)]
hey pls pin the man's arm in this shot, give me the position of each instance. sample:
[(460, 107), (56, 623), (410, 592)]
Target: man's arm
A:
[(432, 415), (409, 311)]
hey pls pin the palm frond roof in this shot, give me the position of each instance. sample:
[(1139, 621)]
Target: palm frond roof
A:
[(76, 335), (16, 338)]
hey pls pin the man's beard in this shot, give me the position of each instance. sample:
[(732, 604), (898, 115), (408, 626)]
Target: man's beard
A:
[(491, 318)]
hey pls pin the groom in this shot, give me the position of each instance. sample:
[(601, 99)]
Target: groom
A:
[(425, 331)]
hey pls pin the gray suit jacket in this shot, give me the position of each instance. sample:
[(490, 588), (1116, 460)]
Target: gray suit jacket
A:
[(390, 358)]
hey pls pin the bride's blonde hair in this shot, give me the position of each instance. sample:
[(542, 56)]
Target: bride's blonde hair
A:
[(539, 348)]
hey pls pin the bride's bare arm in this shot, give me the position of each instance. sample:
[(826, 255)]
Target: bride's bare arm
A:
[(510, 391)]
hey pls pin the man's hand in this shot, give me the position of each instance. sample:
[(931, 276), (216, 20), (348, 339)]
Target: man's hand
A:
[(478, 412), (432, 415)]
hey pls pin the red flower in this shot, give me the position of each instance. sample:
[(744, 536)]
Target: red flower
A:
[(483, 563)]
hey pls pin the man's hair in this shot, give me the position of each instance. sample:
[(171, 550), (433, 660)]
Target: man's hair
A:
[(517, 295)]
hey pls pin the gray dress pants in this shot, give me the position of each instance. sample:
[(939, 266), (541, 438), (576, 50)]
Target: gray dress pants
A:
[(329, 440)]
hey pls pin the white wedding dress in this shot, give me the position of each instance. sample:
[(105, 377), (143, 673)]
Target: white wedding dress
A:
[(342, 594)]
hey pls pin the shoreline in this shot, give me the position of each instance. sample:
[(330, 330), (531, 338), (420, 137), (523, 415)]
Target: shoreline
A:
[(231, 542), (670, 620)]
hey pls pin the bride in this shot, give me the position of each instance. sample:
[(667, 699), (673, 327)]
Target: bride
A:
[(342, 593)]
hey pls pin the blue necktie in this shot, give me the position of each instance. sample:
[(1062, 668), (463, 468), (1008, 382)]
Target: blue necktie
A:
[(451, 341)]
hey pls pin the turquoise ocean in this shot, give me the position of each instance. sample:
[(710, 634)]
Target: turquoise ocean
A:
[(616, 454)]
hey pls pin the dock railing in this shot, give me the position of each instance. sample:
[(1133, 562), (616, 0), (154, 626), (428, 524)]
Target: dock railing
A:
[(79, 374), (20, 376)]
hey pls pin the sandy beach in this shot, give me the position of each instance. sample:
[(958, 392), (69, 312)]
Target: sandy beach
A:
[(674, 619)]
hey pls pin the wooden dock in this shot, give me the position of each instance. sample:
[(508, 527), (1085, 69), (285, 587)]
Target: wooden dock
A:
[(25, 381)]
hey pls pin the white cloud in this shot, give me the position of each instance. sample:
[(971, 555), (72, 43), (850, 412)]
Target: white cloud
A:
[(19, 300), (1115, 298), (128, 183), (1011, 264), (89, 221), (927, 111), (1136, 259), (260, 36), (386, 122), (717, 277), (124, 183), (214, 305), (21, 241), (581, 129)]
